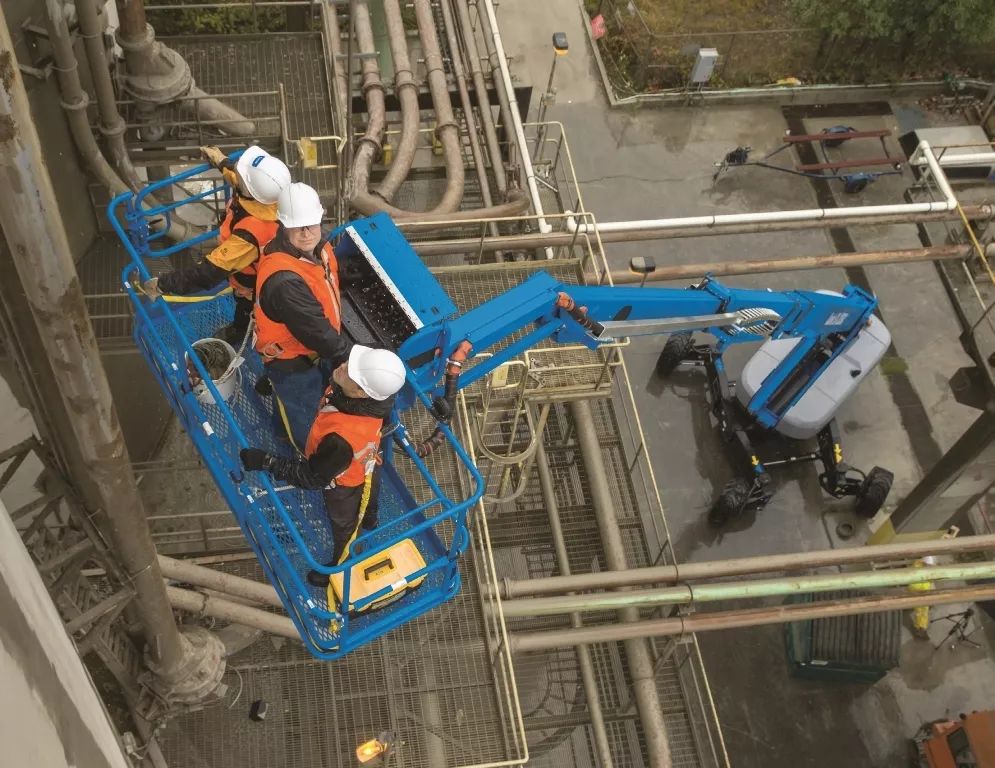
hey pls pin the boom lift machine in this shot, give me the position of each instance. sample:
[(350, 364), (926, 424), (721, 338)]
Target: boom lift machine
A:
[(391, 299)]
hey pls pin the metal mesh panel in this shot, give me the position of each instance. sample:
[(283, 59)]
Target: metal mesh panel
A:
[(260, 63), (432, 681), (552, 698)]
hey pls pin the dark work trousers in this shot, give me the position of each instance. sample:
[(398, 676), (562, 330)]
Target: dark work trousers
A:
[(243, 313), (300, 393), (342, 507)]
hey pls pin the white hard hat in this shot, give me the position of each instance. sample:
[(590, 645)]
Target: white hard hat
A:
[(299, 206), (264, 176), (378, 372)]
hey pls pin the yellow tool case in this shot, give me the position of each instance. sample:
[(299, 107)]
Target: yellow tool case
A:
[(383, 569)]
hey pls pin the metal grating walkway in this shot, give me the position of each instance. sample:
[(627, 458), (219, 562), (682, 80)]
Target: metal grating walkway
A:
[(253, 63), (432, 682)]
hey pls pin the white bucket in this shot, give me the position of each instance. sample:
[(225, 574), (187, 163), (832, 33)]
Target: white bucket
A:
[(226, 383)]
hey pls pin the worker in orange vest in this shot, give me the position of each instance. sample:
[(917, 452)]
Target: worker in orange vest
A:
[(298, 312), (256, 179), (343, 447)]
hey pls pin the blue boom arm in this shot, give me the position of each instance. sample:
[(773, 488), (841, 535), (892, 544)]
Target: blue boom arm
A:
[(543, 308)]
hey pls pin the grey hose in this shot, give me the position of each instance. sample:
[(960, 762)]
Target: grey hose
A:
[(407, 94)]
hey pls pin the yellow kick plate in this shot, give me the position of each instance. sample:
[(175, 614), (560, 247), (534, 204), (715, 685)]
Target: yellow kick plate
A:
[(390, 568)]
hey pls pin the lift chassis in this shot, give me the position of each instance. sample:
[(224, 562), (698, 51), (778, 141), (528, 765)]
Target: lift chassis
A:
[(750, 448)]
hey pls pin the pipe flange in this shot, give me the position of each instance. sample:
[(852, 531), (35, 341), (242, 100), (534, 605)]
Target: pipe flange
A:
[(404, 78), (154, 72), (81, 103), (117, 128), (447, 124), (375, 85), (130, 46), (199, 672), (377, 146)]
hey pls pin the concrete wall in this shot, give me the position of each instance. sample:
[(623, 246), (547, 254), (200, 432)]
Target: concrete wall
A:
[(50, 714)]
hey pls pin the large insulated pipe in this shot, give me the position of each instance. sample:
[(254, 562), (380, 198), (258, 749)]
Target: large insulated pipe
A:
[(371, 142), (32, 226), (640, 660), (406, 91), (207, 605), (446, 127), (483, 99), (220, 581), (749, 617), (584, 660), (669, 574), (684, 594), (447, 130)]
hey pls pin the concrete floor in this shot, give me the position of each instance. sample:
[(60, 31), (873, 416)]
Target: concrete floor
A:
[(650, 163)]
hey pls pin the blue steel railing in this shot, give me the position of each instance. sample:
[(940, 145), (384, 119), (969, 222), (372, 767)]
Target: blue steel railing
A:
[(286, 527)]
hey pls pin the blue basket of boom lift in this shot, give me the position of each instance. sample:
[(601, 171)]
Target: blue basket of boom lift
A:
[(285, 526)]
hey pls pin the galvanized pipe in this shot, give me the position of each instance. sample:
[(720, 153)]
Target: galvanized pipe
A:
[(560, 239), (494, 61), (32, 226), (493, 35), (406, 91), (456, 60), (685, 594), (206, 605), (584, 660), (471, 122), (483, 99), (669, 574), (792, 263), (641, 667), (200, 576), (751, 617)]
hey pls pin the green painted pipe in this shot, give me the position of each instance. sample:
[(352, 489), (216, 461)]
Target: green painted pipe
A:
[(706, 593)]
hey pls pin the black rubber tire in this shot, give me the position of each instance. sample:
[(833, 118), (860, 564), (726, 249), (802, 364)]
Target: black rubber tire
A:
[(730, 502), (674, 351), (873, 492)]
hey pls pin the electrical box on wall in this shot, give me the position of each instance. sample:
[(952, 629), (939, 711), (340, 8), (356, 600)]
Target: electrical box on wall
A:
[(704, 65)]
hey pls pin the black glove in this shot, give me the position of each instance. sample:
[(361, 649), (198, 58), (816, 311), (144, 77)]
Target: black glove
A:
[(254, 459)]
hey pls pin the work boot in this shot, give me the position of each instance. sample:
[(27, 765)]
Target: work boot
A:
[(318, 579)]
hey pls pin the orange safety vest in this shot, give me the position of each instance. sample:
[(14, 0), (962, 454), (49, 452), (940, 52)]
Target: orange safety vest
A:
[(361, 432), (254, 231), (274, 341)]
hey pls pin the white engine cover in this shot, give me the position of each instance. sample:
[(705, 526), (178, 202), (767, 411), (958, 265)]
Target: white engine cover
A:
[(829, 391)]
